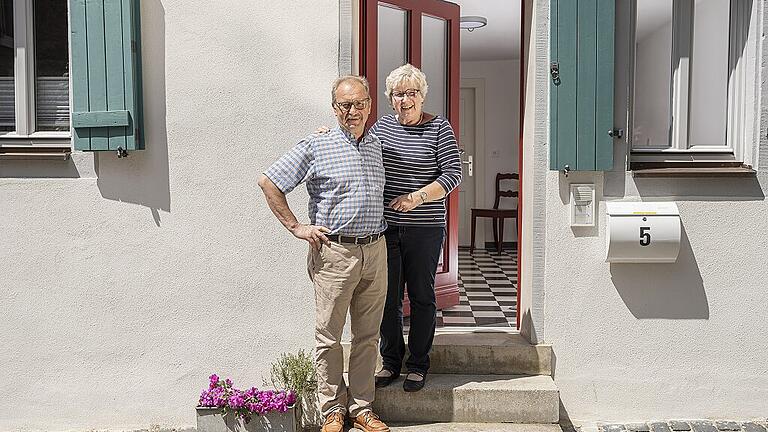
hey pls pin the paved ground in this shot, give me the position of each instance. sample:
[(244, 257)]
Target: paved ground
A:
[(688, 425), (668, 426)]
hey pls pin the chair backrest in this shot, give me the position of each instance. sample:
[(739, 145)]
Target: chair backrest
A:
[(505, 193)]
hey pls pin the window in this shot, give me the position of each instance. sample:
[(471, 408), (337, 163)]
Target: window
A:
[(688, 88), (34, 73)]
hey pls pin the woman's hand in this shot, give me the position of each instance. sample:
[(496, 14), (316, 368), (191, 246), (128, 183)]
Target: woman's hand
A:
[(405, 203), (322, 130)]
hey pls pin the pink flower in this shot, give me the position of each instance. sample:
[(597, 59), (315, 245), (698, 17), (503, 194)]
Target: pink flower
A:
[(222, 394), (214, 381)]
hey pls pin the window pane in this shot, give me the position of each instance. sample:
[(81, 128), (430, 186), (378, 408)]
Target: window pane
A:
[(392, 50), (52, 65), (7, 92), (709, 73), (653, 74), (434, 62)]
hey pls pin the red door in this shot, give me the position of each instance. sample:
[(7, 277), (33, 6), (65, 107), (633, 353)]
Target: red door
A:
[(424, 33)]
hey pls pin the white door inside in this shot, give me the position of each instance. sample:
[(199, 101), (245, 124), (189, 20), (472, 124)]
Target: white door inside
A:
[(468, 158)]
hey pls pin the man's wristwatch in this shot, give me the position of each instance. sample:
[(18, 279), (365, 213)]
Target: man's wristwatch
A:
[(423, 196)]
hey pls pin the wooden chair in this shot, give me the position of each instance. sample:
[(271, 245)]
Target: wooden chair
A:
[(498, 215)]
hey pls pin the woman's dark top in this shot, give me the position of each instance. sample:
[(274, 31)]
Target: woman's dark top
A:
[(415, 156)]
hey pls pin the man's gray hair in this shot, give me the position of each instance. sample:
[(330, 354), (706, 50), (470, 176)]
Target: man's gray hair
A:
[(349, 78), (406, 72)]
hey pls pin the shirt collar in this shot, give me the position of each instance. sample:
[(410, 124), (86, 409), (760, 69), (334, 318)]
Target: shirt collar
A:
[(364, 140)]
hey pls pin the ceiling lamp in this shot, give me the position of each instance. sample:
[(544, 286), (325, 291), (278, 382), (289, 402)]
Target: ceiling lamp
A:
[(472, 22)]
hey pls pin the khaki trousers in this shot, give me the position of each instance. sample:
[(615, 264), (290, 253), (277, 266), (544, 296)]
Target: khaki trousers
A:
[(348, 277)]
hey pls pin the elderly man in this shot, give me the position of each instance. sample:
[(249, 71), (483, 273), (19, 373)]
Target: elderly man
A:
[(347, 259)]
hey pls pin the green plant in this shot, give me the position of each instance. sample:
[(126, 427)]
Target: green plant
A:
[(296, 372)]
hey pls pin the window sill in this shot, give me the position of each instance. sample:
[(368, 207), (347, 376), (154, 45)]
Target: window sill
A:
[(35, 153), (692, 169)]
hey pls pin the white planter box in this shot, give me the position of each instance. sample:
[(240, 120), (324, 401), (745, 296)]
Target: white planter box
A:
[(309, 415), (212, 420)]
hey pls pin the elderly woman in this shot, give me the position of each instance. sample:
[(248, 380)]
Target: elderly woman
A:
[(422, 165)]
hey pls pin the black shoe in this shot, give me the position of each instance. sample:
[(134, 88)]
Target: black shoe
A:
[(412, 385), (383, 381)]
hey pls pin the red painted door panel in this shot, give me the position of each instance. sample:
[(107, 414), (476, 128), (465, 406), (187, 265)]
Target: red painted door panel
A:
[(395, 31)]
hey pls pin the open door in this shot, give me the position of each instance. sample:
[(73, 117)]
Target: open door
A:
[(424, 33)]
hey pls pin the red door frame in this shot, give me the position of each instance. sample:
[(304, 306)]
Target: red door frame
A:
[(520, 194), (446, 280)]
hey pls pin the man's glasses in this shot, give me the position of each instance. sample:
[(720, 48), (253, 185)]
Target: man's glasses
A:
[(358, 104), (400, 95)]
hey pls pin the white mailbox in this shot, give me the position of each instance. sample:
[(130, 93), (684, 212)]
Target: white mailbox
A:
[(643, 232)]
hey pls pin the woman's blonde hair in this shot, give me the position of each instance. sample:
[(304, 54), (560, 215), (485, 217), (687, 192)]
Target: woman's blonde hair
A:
[(406, 72)]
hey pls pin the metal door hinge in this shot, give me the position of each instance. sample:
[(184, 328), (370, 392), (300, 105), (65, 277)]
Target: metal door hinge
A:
[(554, 70), (616, 133)]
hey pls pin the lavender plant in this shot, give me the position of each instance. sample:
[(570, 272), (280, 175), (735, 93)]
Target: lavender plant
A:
[(295, 371)]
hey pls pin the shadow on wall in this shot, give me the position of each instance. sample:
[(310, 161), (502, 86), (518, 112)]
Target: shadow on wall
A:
[(527, 330), (701, 189), (44, 169), (142, 177), (671, 291)]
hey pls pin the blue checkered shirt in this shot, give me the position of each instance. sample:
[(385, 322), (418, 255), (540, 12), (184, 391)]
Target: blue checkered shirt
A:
[(344, 178)]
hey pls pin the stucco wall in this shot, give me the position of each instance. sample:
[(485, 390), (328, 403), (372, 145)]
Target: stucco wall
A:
[(639, 342), (125, 283), (534, 185)]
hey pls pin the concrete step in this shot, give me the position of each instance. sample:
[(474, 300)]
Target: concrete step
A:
[(477, 427), (484, 353), (472, 399), (469, 427)]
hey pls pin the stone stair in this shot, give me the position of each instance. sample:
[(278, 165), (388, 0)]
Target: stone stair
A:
[(469, 427), (475, 427), (478, 381)]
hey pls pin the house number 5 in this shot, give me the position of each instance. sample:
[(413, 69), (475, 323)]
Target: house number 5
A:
[(645, 236)]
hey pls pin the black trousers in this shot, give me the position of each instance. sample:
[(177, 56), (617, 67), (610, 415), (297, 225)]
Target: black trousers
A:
[(412, 256)]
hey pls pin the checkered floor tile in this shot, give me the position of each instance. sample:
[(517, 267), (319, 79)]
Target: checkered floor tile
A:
[(487, 291)]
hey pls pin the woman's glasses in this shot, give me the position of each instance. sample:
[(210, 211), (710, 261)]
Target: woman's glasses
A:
[(400, 95)]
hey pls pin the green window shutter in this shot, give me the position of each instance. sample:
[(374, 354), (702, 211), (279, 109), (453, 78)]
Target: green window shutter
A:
[(581, 89), (106, 75)]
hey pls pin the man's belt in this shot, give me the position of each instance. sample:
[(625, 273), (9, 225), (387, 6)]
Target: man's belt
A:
[(338, 238)]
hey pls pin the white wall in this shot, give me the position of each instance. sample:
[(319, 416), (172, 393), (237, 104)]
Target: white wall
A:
[(636, 342), (654, 341), (502, 120), (125, 283), (535, 132)]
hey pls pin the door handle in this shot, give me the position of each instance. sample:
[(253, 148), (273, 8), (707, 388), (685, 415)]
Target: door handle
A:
[(470, 165)]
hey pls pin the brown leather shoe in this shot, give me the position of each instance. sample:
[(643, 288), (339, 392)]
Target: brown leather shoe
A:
[(369, 422), (334, 422)]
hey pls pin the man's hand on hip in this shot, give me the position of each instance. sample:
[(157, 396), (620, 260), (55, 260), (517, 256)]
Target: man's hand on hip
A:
[(313, 234)]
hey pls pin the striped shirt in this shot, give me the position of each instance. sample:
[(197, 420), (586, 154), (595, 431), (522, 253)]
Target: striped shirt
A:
[(415, 156), (344, 178)]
